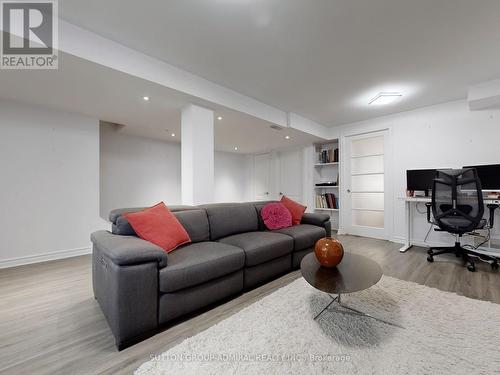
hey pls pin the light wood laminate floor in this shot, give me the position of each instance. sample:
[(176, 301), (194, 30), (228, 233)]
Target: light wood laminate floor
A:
[(51, 324)]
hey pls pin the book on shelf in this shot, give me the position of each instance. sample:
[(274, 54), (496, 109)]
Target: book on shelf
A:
[(330, 200), (327, 200), (329, 156)]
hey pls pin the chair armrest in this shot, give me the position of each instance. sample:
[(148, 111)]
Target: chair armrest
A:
[(428, 206), (492, 208), (128, 250)]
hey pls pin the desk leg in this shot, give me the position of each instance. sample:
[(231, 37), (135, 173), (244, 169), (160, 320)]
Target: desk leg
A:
[(408, 225)]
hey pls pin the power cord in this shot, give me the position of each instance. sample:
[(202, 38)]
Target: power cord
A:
[(428, 232), (486, 239), (420, 212), (424, 213)]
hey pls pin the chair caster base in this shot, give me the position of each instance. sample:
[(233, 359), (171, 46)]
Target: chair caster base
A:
[(471, 268), (430, 259), (494, 265)]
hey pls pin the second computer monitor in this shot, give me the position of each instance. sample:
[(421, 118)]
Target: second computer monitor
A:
[(489, 176)]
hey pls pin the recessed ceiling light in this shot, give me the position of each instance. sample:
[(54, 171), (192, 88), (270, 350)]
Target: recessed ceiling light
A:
[(219, 118), (385, 98), (287, 137), (146, 98), (236, 149), (173, 134)]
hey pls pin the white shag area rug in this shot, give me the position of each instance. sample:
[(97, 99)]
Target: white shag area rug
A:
[(444, 334)]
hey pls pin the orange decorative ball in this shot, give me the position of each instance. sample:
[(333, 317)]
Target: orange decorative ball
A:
[(329, 251)]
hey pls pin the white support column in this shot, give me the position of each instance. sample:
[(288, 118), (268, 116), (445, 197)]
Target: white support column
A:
[(197, 155)]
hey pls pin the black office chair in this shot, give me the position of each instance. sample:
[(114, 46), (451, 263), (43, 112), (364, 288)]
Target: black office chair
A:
[(458, 208)]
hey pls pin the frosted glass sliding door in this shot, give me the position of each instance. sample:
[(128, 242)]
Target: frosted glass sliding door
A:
[(366, 184)]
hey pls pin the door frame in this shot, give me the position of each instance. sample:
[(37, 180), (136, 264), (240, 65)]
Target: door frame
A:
[(345, 226)]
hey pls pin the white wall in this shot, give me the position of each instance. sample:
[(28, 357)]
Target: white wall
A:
[(445, 135), (231, 177), (137, 171), (49, 190)]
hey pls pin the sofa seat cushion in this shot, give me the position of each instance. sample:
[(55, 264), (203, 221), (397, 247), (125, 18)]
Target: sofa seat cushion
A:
[(261, 247), (304, 235), (199, 262)]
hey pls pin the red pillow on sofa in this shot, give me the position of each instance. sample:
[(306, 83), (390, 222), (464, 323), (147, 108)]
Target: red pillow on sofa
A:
[(159, 226), (296, 209), (276, 216)]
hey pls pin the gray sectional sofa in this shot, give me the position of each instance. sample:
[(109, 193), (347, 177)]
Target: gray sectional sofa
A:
[(140, 287)]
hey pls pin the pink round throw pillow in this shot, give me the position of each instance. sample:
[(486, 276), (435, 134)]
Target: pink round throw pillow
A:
[(276, 216)]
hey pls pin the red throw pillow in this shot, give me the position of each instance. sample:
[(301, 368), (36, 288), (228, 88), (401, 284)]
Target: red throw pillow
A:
[(296, 209), (159, 226), (276, 216)]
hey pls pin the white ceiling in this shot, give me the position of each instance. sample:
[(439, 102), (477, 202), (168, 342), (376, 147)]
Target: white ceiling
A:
[(322, 59), (87, 88)]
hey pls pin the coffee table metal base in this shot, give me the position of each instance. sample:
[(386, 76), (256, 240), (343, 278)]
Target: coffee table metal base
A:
[(351, 311)]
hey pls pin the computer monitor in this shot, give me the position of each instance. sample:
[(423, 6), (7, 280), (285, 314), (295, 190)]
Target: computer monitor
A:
[(489, 176), (420, 179)]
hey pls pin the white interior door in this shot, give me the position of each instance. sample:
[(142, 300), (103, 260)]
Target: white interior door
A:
[(290, 175), (262, 177), (366, 204)]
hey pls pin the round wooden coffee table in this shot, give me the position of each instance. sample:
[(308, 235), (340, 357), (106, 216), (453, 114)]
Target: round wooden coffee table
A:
[(353, 274)]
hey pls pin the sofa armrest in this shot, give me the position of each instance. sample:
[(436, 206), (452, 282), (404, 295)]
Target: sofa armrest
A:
[(315, 219), (125, 275), (128, 250), (320, 220)]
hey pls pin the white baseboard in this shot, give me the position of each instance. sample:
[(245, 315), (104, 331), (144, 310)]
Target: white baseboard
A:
[(401, 240), (7, 263)]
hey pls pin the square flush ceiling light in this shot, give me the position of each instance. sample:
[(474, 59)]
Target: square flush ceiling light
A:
[(385, 98)]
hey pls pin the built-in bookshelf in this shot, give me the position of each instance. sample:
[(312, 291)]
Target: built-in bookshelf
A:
[(326, 174)]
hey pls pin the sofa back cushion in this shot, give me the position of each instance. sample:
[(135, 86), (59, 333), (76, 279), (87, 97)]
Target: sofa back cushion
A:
[(122, 227), (116, 213), (194, 220), (196, 224), (226, 219)]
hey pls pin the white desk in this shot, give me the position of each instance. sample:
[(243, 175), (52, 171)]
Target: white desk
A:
[(408, 216)]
